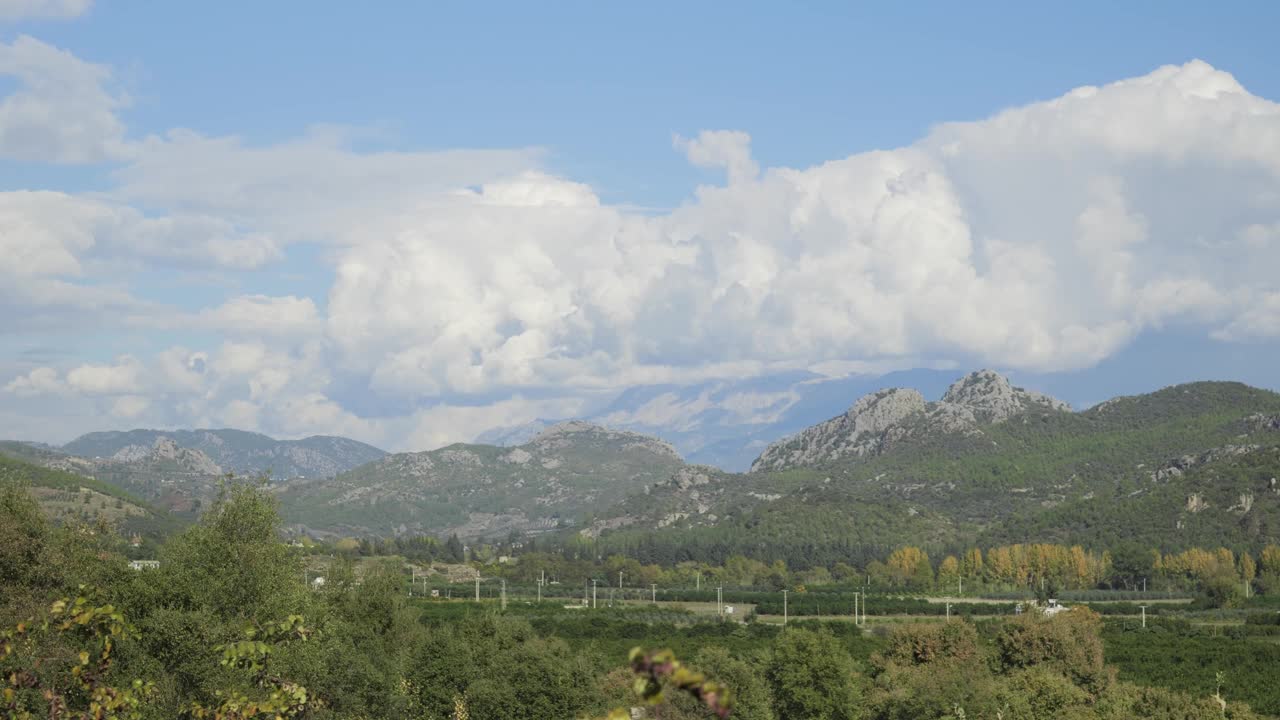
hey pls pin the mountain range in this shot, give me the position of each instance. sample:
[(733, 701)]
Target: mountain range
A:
[(180, 470), (236, 451), (726, 423), (1190, 464), (548, 482), (986, 462)]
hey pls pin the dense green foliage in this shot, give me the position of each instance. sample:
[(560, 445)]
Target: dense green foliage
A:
[(1186, 657), (230, 624), (77, 498), (227, 627)]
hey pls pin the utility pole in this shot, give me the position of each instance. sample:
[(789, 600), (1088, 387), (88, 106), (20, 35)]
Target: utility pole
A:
[(653, 587), (720, 601), (948, 611), (477, 586), (699, 581), (504, 593), (593, 594), (864, 608), (784, 608), (1144, 584), (619, 579), (1144, 615)]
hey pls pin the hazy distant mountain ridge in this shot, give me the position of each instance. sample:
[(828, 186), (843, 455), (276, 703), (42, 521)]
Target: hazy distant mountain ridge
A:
[(727, 423), (236, 451), (877, 421), (513, 435), (550, 481)]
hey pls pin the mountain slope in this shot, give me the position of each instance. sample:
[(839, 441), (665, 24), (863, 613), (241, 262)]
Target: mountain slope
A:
[(878, 421), (991, 461), (1228, 496), (484, 490), (237, 451), (65, 496), (174, 478)]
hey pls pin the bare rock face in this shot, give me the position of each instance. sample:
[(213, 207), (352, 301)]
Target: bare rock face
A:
[(873, 414), (1179, 465), (859, 432), (1261, 421), (992, 399), (187, 459), (130, 453), (1196, 503), (881, 419)]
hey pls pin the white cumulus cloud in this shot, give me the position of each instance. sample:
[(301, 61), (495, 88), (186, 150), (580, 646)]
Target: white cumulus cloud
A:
[(1045, 237), (264, 316), (62, 111), (11, 10)]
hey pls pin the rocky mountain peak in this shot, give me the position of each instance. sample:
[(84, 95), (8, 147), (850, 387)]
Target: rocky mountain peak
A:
[(880, 419), (863, 430), (570, 427), (166, 449), (564, 433), (993, 399), (876, 412)]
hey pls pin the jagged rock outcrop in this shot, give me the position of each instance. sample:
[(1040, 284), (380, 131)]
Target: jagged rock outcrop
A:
[(860, 431), (1196, 503), (879, 420), (993, 399), (1179, 465), (166, 451), (1262, 421)]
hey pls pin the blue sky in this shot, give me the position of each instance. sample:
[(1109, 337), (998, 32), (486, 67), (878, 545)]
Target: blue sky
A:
[(415, 222), (602, 85)]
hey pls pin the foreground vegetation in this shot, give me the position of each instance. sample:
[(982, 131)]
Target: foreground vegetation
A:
[(228, 627)]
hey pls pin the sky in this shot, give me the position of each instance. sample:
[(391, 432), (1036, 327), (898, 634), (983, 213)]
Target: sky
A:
[(409, 223)]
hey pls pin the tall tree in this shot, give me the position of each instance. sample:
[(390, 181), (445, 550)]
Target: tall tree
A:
[(812, 676)]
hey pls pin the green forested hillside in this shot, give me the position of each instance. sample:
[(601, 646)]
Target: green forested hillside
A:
[(65, 496), (1187, 465), (474, 490)]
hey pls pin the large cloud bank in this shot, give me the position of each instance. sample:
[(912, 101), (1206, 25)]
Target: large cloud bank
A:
[(473, 289)]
